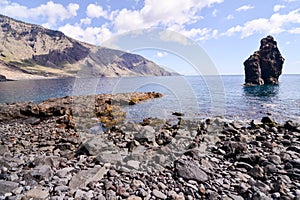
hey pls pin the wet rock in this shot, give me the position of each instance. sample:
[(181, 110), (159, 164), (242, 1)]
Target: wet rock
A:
[(268, 120), (178, 114)]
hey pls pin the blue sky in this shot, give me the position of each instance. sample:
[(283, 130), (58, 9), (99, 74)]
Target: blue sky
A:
[(227, 30)]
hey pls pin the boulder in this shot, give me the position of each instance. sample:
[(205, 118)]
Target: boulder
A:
[(2, 78), (265, 65), (190, 170)]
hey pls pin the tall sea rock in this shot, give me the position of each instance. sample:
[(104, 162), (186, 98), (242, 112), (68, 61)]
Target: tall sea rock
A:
[(265, 65)]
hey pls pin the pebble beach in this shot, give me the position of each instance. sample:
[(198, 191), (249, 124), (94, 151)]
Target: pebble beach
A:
[(83, 148)]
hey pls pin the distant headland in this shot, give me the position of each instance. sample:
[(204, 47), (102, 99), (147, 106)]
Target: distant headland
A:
[(31, 51)]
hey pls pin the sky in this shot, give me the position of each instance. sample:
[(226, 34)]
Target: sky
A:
[(228, 31)]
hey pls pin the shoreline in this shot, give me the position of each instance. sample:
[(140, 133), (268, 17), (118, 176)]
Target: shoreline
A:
[(45, 156)]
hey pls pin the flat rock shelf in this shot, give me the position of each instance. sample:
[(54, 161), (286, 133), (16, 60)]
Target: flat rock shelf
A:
[(45, 155)]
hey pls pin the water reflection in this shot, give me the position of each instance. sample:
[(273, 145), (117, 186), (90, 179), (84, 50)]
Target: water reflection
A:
[(261, 91)]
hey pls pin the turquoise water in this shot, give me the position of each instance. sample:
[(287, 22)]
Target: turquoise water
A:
[(194, 96)]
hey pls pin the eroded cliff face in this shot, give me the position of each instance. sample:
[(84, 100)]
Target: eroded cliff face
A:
[(265, 65)]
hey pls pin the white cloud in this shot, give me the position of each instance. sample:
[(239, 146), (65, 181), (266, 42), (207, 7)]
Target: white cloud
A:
[(229, 17), (277, 23), (278, 7), (49, 12), (95, 11), (173, 15), (167, 14), (233, 30), (200, 34), (161, 54), (54, 12), (93, 35), (244, 8)]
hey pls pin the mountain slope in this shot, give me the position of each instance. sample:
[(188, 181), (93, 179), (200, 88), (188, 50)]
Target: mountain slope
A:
[(28, 50)]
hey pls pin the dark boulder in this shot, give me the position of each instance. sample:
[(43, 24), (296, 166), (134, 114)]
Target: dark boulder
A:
[(265, 65), (2, 78)]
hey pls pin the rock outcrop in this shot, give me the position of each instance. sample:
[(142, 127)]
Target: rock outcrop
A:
[(265, 65), (79, 110)]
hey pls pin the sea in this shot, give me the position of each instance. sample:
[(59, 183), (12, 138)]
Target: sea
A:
[(194, 96)]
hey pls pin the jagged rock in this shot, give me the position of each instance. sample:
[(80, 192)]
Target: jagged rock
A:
[(265, 65)]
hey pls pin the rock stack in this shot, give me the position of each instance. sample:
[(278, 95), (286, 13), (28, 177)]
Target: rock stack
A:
[(265, 65)]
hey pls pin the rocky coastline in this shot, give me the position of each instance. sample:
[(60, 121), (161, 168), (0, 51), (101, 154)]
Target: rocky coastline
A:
[(83, 148)]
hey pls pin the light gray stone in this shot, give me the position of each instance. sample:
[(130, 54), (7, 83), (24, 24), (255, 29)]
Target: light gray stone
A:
[(63, 172), (189, 169), (37, 193), (159, 194), (82, 178), (7, 186), (133, 164)]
